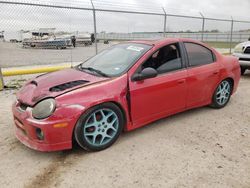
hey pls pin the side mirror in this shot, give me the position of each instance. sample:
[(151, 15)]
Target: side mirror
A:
[(145, 74)]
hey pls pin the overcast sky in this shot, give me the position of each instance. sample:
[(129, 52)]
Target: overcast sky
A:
[(16, 17)]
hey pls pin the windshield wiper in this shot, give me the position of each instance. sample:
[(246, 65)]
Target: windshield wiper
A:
[(91, 69)]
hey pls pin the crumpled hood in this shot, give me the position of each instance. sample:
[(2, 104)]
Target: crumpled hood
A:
[(55, 84)]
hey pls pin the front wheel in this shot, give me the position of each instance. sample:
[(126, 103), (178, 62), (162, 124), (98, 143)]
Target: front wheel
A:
[(222, 94), (99, 127)]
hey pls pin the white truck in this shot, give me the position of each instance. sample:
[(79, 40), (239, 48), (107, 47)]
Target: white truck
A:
[(242, 51), (83, 39)]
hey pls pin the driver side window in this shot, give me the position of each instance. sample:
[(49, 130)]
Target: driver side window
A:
[(164, 60)]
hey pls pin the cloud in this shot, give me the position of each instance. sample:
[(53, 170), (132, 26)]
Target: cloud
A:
[(17, 17)]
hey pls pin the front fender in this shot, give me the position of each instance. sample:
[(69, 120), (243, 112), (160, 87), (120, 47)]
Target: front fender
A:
[(80, 100)]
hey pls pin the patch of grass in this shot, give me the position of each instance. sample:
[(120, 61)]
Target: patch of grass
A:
[(221, 44), (15, 84)]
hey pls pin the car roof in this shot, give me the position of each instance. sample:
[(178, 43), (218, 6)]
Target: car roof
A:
[(161, 41)]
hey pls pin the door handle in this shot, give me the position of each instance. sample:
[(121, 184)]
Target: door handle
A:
[(181, 81)]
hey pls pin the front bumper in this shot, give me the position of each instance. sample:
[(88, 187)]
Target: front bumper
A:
[(244, 59), (40, 146), (244, 63), (55, 137)]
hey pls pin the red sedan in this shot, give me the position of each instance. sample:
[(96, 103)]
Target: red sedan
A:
[(122, 88)]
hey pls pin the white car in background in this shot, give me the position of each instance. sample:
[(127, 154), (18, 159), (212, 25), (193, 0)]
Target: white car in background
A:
[(242, 51)]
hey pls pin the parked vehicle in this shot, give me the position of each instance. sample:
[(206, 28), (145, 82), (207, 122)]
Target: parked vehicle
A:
[(105, 42), (120, 89), (242, 51), (50, 43), (45, 38), (83, 39), (14, 41)]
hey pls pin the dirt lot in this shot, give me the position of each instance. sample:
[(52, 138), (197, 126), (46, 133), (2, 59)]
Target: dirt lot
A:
[(13, 55), (198, 148)]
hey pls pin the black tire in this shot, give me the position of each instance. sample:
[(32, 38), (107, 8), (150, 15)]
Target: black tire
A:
[(215, 103), (242, 70), (79, 129)]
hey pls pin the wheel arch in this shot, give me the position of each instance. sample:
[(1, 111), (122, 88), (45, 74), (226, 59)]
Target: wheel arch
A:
[(121, 108), (231, 80), (113, 102)]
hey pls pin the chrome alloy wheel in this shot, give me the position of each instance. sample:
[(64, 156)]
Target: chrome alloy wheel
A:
[(223, 92), (101, 127)]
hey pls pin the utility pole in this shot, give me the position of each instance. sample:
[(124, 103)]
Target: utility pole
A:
[(203, 27), (231, 34), (165, 22), (94, 18)]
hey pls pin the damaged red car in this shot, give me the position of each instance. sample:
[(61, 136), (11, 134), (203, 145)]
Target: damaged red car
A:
[(120, 89)]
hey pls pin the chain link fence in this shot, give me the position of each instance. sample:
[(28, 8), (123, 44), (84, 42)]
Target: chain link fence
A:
[(51, 32)]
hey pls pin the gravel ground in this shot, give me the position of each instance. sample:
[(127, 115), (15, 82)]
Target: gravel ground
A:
[(203, 147), (13, 55)]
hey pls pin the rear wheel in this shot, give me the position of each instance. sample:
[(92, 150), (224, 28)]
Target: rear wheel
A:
[(222, 94), (99, 127)]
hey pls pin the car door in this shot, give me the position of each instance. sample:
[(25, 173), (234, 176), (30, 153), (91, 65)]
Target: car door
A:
[(202, 74), (164, 94)]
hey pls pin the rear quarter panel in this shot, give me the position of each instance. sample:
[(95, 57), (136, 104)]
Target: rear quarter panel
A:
[(230, 68)]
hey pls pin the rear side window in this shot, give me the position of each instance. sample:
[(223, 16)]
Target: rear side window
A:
[(198, 55)]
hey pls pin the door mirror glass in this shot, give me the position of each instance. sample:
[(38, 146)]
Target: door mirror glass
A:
[(145, 74)]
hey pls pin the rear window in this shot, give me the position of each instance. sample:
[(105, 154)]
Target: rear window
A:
[(198, 54)]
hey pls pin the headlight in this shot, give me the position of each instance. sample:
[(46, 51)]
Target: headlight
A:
[(238, 48), (44, 108)]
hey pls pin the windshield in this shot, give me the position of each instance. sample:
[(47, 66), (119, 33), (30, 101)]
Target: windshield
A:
[(116, 59)]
